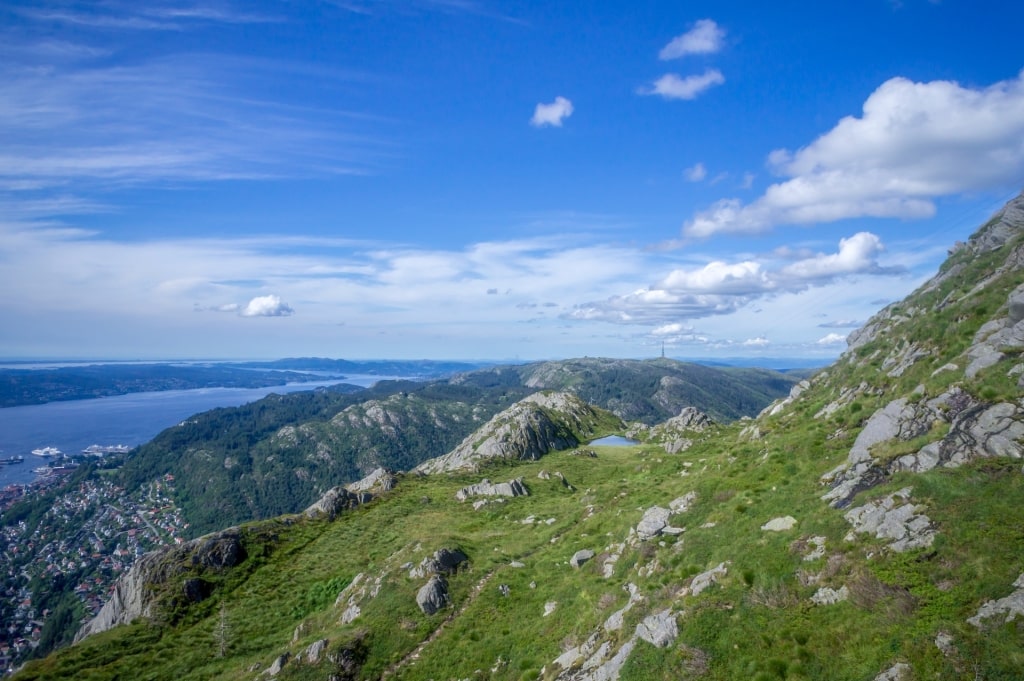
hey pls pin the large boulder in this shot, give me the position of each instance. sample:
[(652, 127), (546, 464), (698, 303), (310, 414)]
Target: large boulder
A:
[(654, 521), (433, 596), (335, 501), (486, 488)]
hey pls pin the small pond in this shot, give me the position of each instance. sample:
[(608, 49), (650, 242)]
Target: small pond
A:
[(614, 441)]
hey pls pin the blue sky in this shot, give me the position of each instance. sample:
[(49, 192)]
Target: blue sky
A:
[(487, 179)]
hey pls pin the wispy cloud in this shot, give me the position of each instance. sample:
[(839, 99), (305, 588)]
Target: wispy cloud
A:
[(149, 16), (183, 117), (842, 324), (469, 7), (706, 37), (672, 86), (695, 173), (912, 143)]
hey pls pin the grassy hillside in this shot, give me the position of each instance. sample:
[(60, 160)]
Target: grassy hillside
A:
[(866, 527), (757, 622)]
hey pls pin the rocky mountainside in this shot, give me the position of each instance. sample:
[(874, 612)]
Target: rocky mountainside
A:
[(864, 528), (529, 429)]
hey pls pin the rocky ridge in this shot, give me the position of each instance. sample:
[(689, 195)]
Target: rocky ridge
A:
[(529, 429)]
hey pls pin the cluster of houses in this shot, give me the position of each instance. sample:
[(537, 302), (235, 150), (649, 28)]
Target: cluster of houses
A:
[(86, 538)]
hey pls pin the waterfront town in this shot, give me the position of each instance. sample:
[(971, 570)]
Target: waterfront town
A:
[(80, 544)]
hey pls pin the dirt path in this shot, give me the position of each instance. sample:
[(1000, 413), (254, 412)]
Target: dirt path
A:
[(415, 653)]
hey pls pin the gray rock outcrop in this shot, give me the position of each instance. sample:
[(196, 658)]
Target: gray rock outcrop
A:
[(136, 593), (655, 520), (893, 517), (705, 579), (1011, 606), (976, 430), (581, 557), (828, 596), (314, 652), (379, 480), (659, 629), (444, 561), (433, 595), (780, 524), (336, 500), (277, 665), (529, 429), (486, 488), (599, 662), (901, 671), (347, 497), (672, 433)]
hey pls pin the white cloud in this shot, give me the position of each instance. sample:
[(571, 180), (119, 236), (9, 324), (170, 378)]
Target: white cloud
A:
[(758, 342), (695, 173), (671, 86), (832, 339), (267, 306), (705, 37), (552, 114), (718, 277), (722, 288), (673, 329), (913, 142), (857, 254)]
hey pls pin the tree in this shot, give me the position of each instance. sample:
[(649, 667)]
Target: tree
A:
[(222, 632)]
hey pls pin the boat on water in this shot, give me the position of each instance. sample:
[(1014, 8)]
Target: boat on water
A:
[(47, 452), (42, 470), (11, 460)]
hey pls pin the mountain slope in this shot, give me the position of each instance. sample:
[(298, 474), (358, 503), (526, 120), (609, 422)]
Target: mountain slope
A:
[(866, 527), (647, 390), (278, 454)]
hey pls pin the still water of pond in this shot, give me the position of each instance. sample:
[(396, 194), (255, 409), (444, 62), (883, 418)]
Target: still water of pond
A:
[(614, 441)]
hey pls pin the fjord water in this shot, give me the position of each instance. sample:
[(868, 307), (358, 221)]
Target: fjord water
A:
[(125, 419)]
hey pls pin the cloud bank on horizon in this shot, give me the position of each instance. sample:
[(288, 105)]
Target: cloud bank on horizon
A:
[(387, 198)]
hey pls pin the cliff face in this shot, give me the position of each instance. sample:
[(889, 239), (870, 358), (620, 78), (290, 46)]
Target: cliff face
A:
[(167, 577)]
